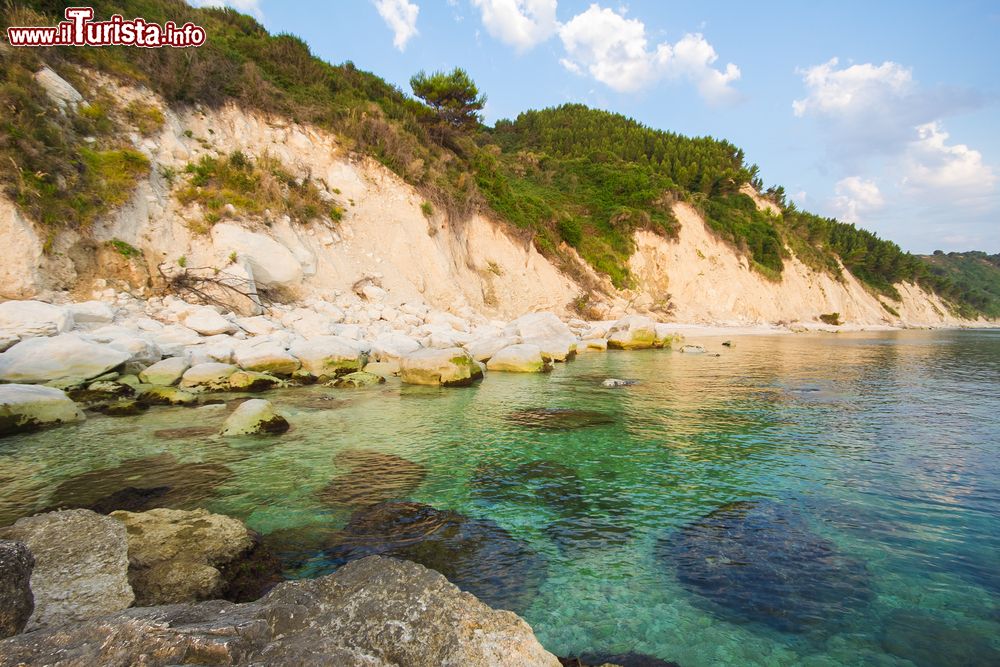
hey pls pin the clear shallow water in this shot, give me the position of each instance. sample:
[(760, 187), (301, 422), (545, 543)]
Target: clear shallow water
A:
[(865, 472)]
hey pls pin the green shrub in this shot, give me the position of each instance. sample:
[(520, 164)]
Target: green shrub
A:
[(832, 319), (570, 231), (427, 209)]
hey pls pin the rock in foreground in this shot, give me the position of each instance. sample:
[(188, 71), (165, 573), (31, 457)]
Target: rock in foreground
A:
[(373, 612), (24, 407), (255, 417), (16, 601), (81, 566)]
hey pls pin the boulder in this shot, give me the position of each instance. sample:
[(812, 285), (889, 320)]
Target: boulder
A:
[(175, 555), (28, 319), (173, 339), (593, 345), (26, 406), (66, 359), (257, 325), (8, 340), (166, 372), (555, 349), (386, 369), (81, 566), (522, 358), (482, 349), (330, 356), (393, 346), (210, 376), (141, 351), (356, 380), (266, 357), (633, 332), (16, 600), (538, 325), (253, 381), (161, 395), (271, 263), (58, 89), (374, 612), (693, 349), (208, 322), (91, 312), (448, 367), (255, 417)]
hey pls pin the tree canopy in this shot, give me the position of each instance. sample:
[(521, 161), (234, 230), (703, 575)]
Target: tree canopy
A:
[(453, 96)]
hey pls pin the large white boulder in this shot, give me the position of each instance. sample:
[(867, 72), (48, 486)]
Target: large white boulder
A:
[(208, 322), (482, 349), (27, 319), (166, 372), (174, 338), (448, 367), (270, 261), (393, 346), (327, 356), (65, 359), (538, 325), (58, 89), (266, 356), (521, 358), (255, 417), (211, 375), (92, 312), (141, 350), (634, 332), (27, 406)]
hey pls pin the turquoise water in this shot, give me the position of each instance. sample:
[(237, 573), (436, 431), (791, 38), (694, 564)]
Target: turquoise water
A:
[(798, 500)]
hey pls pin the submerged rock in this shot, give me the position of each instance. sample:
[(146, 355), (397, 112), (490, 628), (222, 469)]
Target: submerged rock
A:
[(615, 660), (612, 383), (178, 556), (759, 561), (371, 478), (186, 484), (476, 555), (255, 417), (131, 499), (374, 612), (925, 640), (24, 407), (16, 600), (448, 367), (559, 418), (81, 565), (356, 380), (555, 484)]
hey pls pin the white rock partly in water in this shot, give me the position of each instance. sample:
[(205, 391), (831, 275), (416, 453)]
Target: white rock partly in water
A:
[(693, 349), (34, 318), (615, 382), (328, 356), (254, 417), (634, 332), (211, 376), (521, 358), (166, 372), (266, 357), (208, 322), (65, 360), (81, 565), (448, 367), (28, 406)]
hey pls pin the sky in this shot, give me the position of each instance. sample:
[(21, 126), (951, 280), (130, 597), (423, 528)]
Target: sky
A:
[(883, 114)]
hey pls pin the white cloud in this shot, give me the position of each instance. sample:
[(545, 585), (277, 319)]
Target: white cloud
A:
[(852, 90), (615, 51), (401, 17), (520, 23), (932, 166), (856, 197), (251, 7)]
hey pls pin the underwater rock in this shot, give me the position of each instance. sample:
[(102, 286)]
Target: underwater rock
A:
[(185, 432), (130, 499), (81, 565), (376, 611), (926, 641), (187, 484), (356, 380), (591, 532), (16, 600), (477, 555), (615, 382), (555, 484), (760, 561), (559, 418), (616, 660), (372, 477)]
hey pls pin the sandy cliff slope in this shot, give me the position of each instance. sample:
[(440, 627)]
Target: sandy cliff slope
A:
[(385, 237)]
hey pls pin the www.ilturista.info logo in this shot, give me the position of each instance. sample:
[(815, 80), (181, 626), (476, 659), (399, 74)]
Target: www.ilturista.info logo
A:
[(80, 30)]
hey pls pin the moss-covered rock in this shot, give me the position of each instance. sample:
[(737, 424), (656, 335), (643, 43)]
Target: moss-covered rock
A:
[(164, 395), (449, 367), (356, 380), (255, 417), (253, 381)]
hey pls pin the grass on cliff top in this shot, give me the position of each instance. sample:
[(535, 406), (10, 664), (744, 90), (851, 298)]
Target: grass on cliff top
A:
[(971, 279), (253, 186)]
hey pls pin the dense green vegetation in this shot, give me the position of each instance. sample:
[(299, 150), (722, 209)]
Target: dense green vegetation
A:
[(568, 175), (971, 279)]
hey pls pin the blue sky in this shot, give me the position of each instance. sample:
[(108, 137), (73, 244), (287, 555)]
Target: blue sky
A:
[(884, 114)]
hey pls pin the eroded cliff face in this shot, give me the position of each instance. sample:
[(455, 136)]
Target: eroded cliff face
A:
[(385, 237)]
